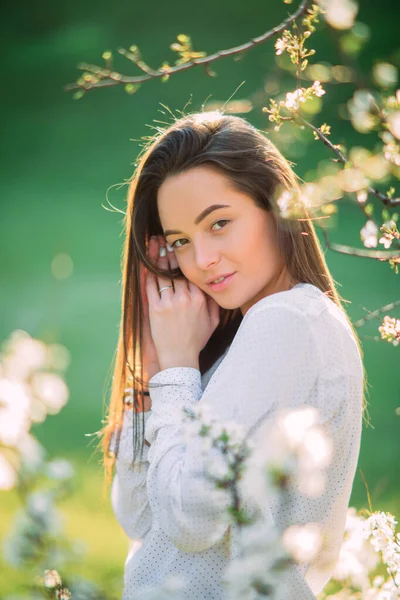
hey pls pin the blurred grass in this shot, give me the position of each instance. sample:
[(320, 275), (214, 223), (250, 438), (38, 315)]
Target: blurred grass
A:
[(86, 519)]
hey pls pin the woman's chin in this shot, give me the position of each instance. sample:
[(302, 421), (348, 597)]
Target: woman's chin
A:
[(228, 305)]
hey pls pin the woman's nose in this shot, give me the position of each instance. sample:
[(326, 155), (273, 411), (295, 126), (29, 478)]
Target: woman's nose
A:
[(206, 254)]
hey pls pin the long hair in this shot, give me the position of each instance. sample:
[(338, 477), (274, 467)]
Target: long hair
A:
[(254, 166)]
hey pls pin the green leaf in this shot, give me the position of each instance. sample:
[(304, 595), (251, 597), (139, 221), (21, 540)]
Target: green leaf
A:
[(183, 38), (132, 88), (78, 95), (239, 515), (390, 192), (369, 209)]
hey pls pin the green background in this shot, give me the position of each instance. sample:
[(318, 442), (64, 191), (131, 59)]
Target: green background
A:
[(59, 158)]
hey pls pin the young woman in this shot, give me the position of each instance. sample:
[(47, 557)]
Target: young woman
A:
[(225, 304)]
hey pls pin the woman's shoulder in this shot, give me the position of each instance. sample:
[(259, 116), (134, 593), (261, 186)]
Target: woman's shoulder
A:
[(303, 312), (305, 299), (302, 319), (295, 312), (305, 303)]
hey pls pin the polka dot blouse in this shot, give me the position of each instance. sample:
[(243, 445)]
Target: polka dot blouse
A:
[(292, 348)]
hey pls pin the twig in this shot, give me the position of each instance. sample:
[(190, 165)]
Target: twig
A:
[(381, 255), (385, 199), (375, 313)]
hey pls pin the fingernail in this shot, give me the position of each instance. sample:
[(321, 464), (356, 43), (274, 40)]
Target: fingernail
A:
[(169, 248), (162, 251)]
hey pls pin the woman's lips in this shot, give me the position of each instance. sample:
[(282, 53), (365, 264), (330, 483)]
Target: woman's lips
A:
[(216, 287)]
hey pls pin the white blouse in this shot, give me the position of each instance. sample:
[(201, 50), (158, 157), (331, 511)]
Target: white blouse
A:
[(292, 348)]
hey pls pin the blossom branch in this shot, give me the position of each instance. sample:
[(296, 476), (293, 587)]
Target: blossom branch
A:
[(335, 149), (383, 198), (371, 338), (375, 313), (375, 254), (105, 77), (342, 159)]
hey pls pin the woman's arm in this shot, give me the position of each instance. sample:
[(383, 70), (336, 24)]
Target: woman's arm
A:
[(129, 489), (128, 492), (265, 366), (274, 363)]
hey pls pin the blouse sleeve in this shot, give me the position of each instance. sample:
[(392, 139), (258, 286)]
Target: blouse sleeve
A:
[(129, 489), (128, 492), (273, 361)]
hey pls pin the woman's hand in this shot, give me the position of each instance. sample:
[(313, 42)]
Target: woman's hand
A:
[(151, 364), (181, 321)]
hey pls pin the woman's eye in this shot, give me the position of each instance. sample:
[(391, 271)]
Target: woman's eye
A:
[(220, 221), (173, 245)]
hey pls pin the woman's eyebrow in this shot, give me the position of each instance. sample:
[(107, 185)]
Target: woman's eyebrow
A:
[(200, 217)]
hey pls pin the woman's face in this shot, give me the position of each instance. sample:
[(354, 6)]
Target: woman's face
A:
[(238, 238)]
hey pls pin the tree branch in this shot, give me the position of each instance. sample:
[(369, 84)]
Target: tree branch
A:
[(381, 255), (342, 159), (111, 78), (375, 313)]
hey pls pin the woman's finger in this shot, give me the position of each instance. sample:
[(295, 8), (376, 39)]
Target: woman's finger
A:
[(162, 262), (152, 254), (152, 289), (153, 249), (173, 263), (150, 280)]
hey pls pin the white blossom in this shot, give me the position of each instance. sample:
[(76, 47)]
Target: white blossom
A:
[(362, 196), (257, 553), (23, 355), (59, 469), (385, 74), (32, 454), (15, 405), (394, 124), (294, 99), (361, 106), (63, 594), (51, 579), (357, 558), (27, 394), (369, 234), (317, 89), (298, 449), (51, 394), (303, 542), (390, 330), (379, 528), (8, 474), (340, 14), (280, 46)]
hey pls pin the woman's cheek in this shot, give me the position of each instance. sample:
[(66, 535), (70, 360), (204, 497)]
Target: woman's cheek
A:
[(189, 273), (182, 266)]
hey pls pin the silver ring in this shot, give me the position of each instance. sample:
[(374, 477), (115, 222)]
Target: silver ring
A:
[(164, 288)]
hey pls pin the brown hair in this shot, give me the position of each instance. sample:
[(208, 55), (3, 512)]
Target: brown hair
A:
[(255, 166)]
